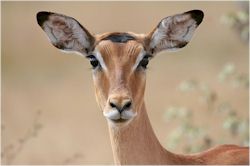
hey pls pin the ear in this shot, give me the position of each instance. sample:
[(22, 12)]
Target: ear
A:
[(65, 32), (174, 32)]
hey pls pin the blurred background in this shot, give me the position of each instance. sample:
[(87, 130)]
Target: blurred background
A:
[(196, 98)]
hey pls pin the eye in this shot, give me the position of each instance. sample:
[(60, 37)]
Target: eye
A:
[(144, 61), (93, 61)]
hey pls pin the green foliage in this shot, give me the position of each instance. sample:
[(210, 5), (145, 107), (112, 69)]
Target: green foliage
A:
[(229, 74), (192, 137), (239, 21), (187, 131)]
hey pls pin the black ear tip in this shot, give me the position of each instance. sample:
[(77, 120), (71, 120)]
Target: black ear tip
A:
[(42, 17), (197, 15)]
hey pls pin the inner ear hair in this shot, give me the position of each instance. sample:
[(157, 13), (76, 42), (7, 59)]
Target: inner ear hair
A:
[(65, 32), (174, 32)]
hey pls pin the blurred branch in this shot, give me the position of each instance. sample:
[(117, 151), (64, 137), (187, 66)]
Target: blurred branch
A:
[(11, 151), (72, 159)]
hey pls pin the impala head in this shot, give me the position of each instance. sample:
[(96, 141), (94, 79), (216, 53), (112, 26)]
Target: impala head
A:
[(119, 60)]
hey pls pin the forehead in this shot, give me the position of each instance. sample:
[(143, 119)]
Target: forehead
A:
[(119, 50), (123, 46), (120, 37)]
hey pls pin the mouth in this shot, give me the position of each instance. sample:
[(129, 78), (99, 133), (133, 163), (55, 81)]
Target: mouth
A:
[(119, 120), (116, 117)]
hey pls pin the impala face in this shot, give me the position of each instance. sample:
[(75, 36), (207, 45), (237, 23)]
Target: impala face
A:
[(119, 60), (119, 77)]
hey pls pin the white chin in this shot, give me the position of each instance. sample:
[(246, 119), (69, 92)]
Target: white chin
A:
[(116, 116), (128, 115)]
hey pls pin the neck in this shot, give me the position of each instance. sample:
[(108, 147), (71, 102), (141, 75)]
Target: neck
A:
[(136, 143)]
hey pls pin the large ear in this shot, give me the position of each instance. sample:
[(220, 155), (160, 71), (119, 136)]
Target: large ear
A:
[(65, 32), (174, 32)]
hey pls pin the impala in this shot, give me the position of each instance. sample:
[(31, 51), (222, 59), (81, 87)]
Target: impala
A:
[(119, 62)]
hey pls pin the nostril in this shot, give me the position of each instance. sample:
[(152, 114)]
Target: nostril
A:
[(112, 105), (127, 105)]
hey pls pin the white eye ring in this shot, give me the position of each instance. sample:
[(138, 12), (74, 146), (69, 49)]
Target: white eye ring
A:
[(98, 56)]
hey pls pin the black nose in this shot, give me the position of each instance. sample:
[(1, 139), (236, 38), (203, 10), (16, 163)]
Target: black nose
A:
[(126, 105)]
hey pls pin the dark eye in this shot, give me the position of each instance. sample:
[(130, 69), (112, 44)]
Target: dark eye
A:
[(144, 61), (93, 61)]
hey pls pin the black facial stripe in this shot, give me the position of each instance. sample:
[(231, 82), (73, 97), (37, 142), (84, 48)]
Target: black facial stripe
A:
[(119, 38)]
